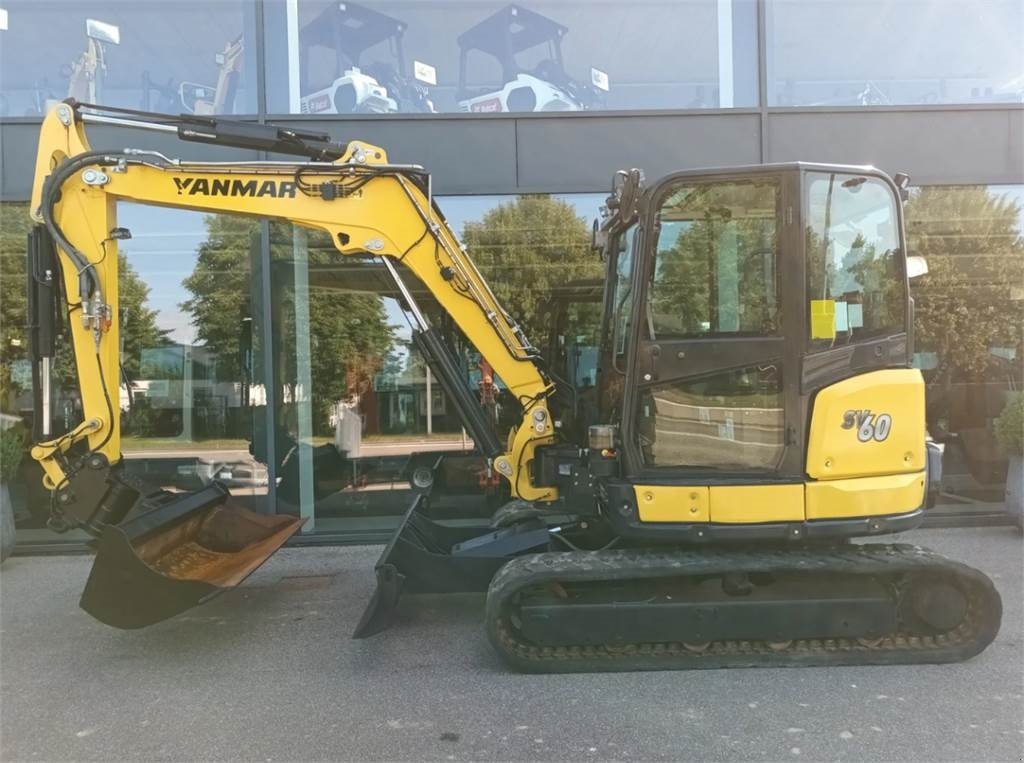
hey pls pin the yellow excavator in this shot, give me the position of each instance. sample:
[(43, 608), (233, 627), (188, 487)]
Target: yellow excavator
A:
[(754, 411)]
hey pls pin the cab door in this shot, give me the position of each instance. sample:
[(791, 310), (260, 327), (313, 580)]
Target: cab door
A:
[(713, 394)]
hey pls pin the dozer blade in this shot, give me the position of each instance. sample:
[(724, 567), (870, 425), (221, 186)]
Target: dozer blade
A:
[(177, 555), (423, 557)]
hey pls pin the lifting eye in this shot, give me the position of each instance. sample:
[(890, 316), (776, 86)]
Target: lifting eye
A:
[(343, 239)]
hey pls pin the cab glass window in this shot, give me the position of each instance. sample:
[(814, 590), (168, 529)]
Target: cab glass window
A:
[(855, 282), (732, 420), (623, 289), (715, 266)]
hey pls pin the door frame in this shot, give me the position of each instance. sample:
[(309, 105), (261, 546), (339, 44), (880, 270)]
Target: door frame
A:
[(738, 351)]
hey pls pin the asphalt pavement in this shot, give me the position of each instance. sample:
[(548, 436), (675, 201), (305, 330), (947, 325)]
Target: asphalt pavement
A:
[(268, 673)]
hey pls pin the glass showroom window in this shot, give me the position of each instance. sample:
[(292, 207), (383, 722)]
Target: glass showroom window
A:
[(360, 423), (969, 324), (185, 56), (486, 56), (193, 400), (877, 53)]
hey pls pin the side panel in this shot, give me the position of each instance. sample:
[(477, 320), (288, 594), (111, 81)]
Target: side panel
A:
[(672, 503), (865, 496), (746, 504), (869, 425)]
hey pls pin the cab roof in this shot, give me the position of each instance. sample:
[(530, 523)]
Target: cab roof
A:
[(511, 30), (351, 28)]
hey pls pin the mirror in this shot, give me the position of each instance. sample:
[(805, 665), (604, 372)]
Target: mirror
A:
[(598, 239), (916, 266), (102, 31), (902, 181)]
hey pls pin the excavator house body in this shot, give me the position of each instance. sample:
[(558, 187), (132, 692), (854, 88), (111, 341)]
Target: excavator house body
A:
[(753, 409)]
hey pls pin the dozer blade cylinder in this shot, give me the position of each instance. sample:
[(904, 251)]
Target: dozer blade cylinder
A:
[(178, 554)]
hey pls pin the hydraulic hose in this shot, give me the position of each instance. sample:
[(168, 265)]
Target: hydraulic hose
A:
[(88, 282)]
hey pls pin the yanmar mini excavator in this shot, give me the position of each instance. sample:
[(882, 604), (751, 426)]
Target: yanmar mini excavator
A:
[(755, 411)]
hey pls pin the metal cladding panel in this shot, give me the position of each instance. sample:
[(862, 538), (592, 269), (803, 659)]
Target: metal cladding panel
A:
[(936, 147), (582, 153), (579, 153)]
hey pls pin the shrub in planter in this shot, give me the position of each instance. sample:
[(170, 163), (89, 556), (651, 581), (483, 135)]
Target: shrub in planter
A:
[(1010, 431)]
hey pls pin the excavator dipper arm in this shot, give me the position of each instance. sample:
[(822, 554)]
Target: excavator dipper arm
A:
[(365, 204)]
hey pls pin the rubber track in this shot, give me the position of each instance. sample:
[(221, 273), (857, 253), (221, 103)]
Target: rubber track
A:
[(977, 631)]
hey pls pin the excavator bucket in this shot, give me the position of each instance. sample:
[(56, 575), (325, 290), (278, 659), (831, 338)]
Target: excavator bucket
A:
[(178, 554)]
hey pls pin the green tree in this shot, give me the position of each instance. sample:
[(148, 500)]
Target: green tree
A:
[(14, 227), (970, 300), (528, 247), (348, 332), (349, 336), (138, 326), (139, 329), (715, 266), (220, 290), (139, 323)]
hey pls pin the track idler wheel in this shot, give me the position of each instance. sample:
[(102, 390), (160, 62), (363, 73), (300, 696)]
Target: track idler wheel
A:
[(937, 606)]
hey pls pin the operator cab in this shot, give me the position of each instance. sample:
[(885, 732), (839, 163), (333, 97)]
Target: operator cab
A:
[(733, 297)]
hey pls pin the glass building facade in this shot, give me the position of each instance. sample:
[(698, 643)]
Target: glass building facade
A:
[(256, 356), (891, 54)]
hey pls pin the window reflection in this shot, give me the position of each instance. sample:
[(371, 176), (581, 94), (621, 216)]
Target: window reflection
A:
[(969, 324), (182, 57), (187, 316), (483, 56), (191, 356), (853, 260), (729, 420), (361, 423), (715, 264), (907, 52)]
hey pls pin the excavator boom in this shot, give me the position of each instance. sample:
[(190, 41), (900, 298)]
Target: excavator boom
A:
[(196, 544)]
